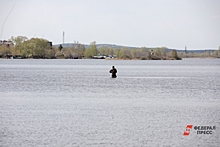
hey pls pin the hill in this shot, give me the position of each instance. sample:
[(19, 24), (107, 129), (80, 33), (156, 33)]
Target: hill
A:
[(67, 45)]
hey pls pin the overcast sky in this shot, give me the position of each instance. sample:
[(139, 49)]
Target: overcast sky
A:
[(137, 23)]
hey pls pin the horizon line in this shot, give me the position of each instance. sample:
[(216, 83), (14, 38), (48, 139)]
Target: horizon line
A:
[(141, 46)]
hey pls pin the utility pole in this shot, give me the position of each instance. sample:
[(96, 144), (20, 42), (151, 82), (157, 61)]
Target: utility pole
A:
[(63, 37)]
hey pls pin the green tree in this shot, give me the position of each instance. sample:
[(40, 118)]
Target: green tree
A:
[(158, 52), (174, 55), (142, 52), (79, 50), (4, 51), (18, 44), (18, 40), (92, 50), (106, 51), (26, 49), (133, 53), (67, 53), (215, 53), (39, 47), (121, 53), (164, 51)]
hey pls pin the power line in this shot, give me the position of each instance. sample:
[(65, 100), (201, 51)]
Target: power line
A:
[(6, 19)]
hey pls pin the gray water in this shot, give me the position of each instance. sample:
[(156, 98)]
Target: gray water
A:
[(69, 103)]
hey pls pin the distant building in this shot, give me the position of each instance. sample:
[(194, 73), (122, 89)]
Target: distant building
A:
[(6, 43)]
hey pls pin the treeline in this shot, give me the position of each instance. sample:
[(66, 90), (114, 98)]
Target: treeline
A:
[(205, 54), (22, 47)]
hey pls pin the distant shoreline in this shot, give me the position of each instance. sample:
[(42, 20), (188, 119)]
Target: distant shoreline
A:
[(99, 59)]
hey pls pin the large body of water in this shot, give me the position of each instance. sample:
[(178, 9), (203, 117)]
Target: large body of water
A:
[(69, 103)]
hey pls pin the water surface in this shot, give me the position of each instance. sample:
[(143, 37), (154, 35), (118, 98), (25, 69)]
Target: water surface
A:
[(77, 103)]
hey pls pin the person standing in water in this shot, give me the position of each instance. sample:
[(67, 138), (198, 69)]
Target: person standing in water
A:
[(113, 71)]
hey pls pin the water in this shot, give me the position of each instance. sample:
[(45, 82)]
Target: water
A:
[(76, 103)]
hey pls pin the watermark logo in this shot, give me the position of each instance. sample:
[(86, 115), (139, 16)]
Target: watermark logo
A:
[(188, 128), (205, 129), (199, 130)]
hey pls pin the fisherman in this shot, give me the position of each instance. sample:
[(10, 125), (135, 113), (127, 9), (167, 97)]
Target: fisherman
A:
[(113, 71)]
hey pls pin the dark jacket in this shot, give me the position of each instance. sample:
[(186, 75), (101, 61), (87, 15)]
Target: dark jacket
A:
[(113, 71)]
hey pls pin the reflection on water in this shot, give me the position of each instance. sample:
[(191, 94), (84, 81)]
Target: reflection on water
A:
[(77, 103)]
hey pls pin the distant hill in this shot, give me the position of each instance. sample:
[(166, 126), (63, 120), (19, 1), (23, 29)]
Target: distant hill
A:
[(97, 45), (66, 45), (193, 51)]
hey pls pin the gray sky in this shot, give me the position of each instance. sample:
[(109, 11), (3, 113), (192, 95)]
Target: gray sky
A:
[(137, 23)]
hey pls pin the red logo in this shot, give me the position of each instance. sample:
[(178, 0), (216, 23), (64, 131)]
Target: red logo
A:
[(188, 127)]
